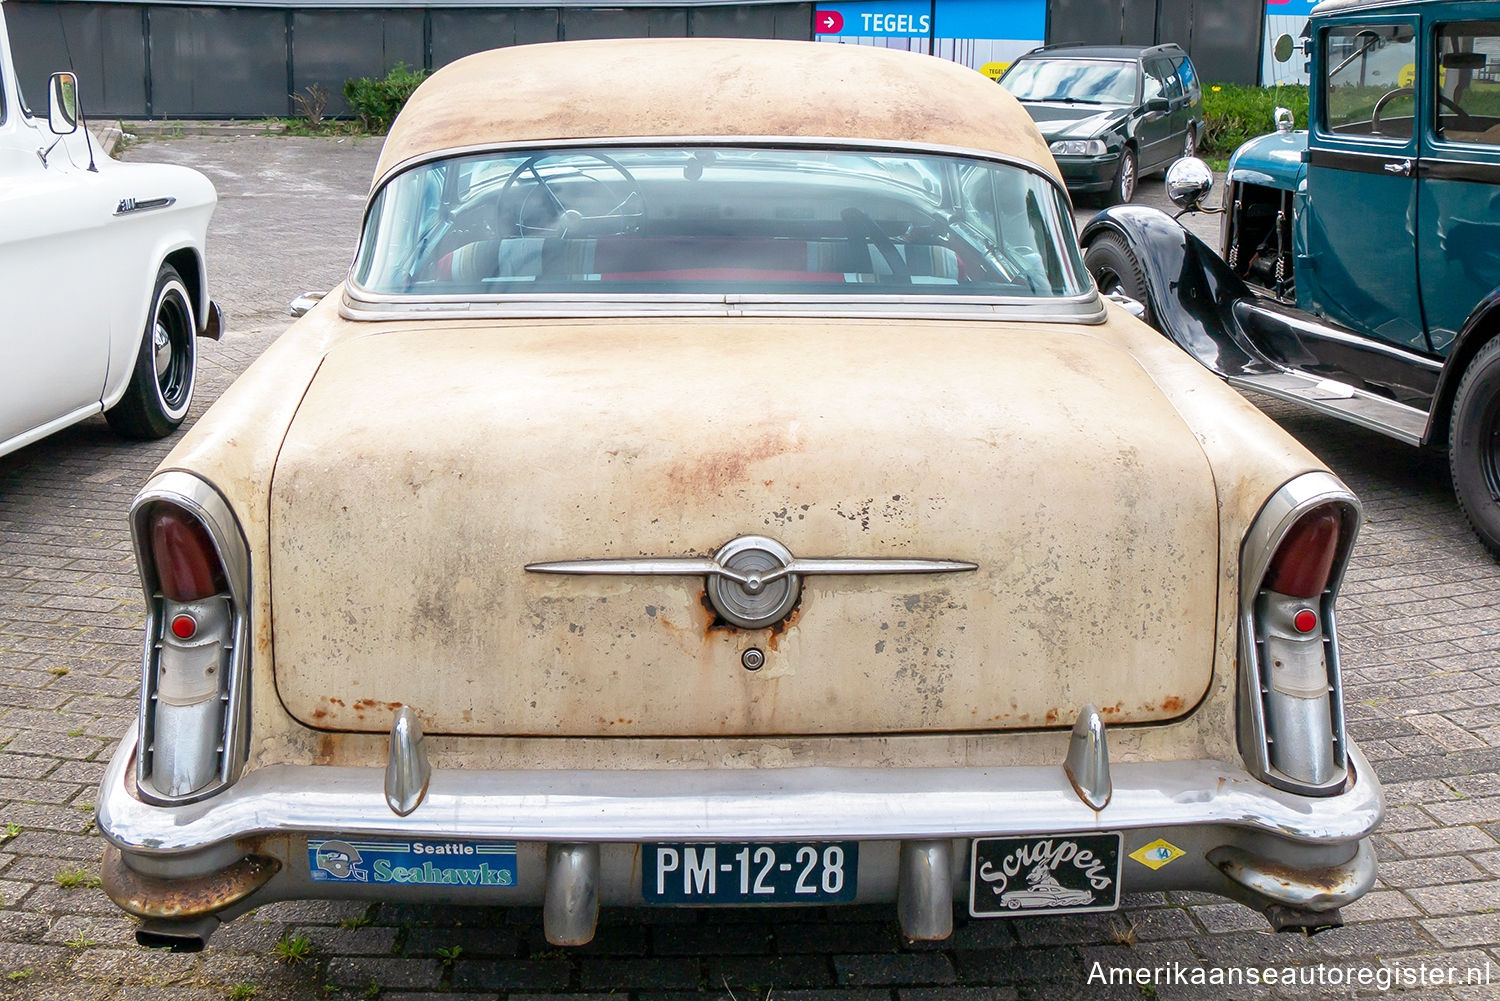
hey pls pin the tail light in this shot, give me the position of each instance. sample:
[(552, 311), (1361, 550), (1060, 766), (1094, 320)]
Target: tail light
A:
[(194, 699), (1291, 700)]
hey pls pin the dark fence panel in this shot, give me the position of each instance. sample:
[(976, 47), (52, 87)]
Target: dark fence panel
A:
[(458, 33), (223, 61), (1227, 38), (1222, 36), (582, 23), (329, 47), (790, 20), (218, 62), (105, 44)]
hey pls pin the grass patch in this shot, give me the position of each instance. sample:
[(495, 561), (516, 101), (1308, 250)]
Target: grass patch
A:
[(1233, 115), (72, 877), (293, 950)]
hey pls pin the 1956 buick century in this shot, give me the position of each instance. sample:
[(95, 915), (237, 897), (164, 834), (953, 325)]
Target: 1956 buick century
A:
[(732, 497)]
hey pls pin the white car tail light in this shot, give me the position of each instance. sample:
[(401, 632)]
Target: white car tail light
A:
[(194, 694), (1290, 701)]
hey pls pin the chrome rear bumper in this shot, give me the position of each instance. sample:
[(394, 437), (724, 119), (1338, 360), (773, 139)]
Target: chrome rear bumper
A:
[(578, 834)]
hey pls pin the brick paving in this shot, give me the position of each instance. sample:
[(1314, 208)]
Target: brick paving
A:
[(1421, 627)]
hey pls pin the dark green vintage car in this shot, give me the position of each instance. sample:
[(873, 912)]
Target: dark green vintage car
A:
[(1110, 113), (1359, 272)]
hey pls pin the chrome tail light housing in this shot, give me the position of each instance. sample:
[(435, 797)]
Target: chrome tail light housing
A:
[(195, 570), (1291, 709)]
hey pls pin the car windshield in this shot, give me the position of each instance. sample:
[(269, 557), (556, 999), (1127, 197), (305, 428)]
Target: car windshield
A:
[(718, 220), (1073, 81)]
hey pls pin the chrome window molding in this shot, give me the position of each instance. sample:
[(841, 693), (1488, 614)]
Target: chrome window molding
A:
[(204, 502), (355, 296), (779, 142), (1276, 518), (357, 304)]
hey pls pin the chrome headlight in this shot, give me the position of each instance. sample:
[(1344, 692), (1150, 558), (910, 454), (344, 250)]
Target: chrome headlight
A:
[(1078, 147)]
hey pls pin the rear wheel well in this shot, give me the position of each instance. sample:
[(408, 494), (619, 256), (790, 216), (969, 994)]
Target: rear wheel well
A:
[(1482, 331), (187, 265)]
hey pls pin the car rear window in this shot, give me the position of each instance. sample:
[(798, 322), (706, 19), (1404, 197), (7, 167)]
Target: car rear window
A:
[(719, 219)]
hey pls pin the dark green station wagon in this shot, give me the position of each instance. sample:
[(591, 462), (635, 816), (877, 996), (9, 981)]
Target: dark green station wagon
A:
[(1359, 272)]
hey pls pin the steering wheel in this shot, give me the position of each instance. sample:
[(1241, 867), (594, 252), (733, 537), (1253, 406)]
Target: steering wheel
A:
[(1464, 118), (553, 207), (865, 230)]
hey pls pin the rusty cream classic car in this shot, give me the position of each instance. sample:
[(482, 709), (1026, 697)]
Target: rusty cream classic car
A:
[(732, 496)]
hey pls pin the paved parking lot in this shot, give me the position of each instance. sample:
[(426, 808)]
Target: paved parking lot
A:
[(1421, 626)]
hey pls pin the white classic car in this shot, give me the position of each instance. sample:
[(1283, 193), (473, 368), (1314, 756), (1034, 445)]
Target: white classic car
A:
[(729, 497), (102, 274)]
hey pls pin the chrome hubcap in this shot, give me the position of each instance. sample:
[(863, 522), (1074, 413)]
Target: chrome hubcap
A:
[(161, 343)]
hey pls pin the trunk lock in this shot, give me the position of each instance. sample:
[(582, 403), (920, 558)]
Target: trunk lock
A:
[(753, 659)]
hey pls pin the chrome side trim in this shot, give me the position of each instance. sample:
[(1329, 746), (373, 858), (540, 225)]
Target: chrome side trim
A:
[(728, 805), (203, 502), (359, 305), (1276, 518), (694, 567), (741, 574), (129, 205)]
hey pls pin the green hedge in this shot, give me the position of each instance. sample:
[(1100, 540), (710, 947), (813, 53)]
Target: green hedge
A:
[(1234, 114), (377, 102)]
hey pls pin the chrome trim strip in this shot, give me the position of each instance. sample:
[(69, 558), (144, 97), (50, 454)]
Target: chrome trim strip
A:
[(198, 498), (129, 205), (693, 567), (728, 805), (1276, 518), (1085, 309)]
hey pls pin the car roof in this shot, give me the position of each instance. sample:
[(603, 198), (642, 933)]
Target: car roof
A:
[(1083, 51), (687, 88), (1344, 6)]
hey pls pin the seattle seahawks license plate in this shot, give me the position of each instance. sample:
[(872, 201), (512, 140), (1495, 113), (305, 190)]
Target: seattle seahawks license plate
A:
[(741, 872), (1057, 874)]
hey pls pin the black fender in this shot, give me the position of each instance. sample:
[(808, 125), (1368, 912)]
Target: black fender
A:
[(1482, 325), (1192, 291)]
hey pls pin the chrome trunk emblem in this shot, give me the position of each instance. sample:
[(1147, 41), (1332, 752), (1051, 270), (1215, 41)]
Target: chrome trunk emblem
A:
[(752, 581)]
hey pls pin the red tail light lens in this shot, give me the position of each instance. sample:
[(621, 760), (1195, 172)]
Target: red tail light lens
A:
[(1304, 560), (186, 562)]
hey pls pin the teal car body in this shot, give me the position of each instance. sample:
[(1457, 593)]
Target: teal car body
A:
[(1359, 265)]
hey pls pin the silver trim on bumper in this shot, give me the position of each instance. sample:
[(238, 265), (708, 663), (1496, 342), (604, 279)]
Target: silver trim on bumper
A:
[(728, 805), (578, 835)]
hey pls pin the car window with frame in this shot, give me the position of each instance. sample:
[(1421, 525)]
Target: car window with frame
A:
[(1076, 81), (719, 219), (1468, 91), (1186, 74), (1162, 68), (1153, 81), (1370, 72)]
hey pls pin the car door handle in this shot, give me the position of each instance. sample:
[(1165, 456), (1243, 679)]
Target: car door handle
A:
[(1402, 167)]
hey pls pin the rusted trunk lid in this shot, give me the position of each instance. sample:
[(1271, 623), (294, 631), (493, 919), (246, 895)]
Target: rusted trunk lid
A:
[(426, 468)]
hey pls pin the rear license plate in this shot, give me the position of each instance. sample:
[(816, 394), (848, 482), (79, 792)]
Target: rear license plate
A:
[(739, 872), (1057, 874)]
